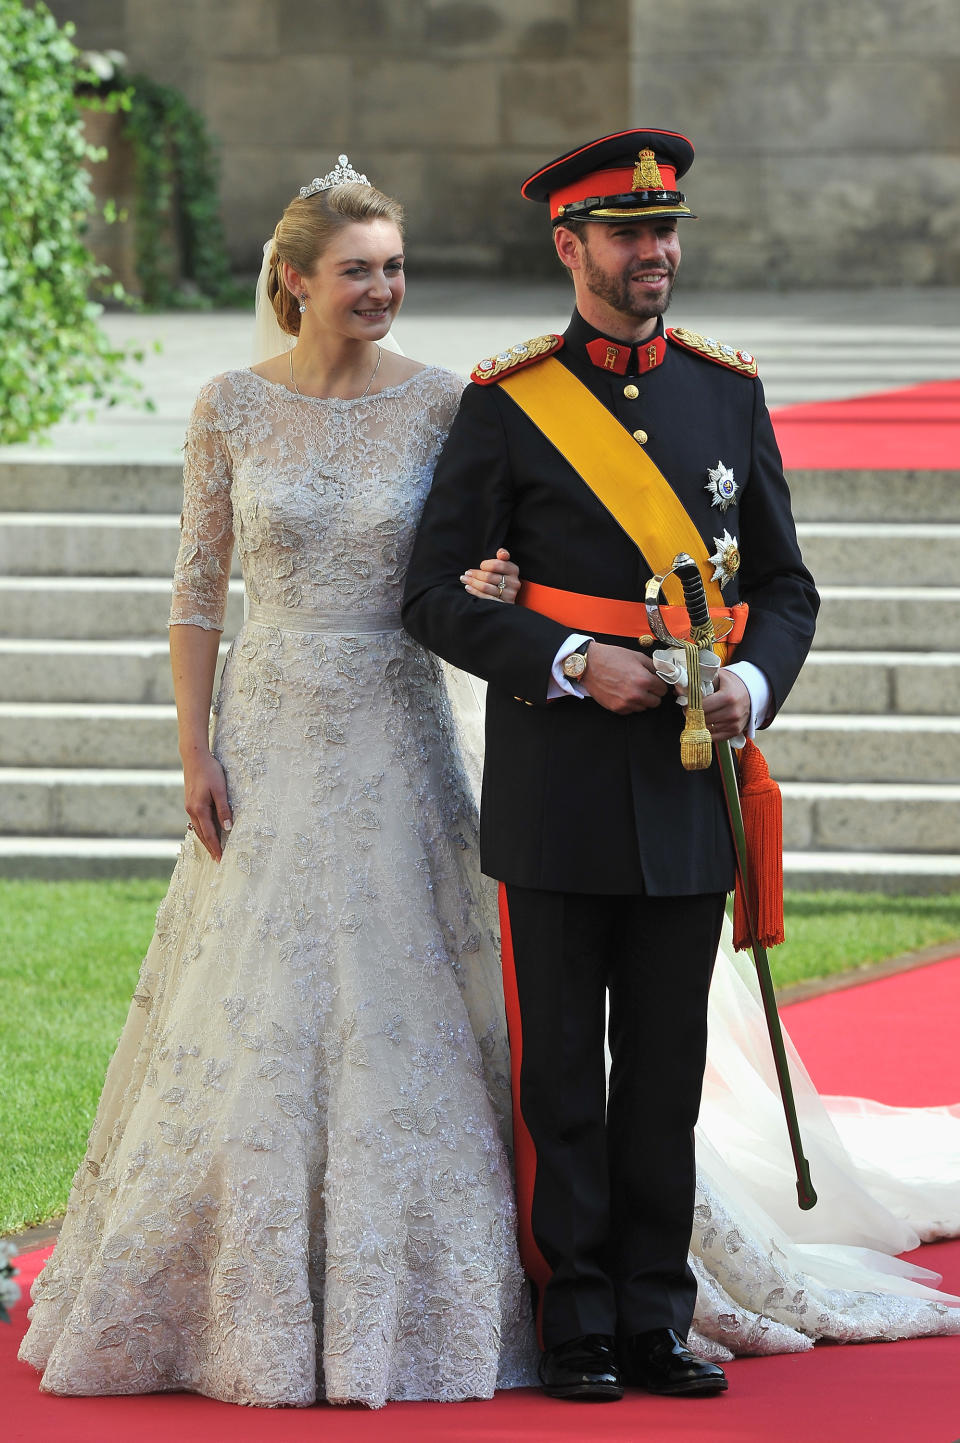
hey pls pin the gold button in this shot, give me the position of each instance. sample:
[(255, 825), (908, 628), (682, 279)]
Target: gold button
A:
[(640, 436), (631, 392)]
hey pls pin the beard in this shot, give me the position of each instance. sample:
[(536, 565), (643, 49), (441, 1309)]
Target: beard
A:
[(614, 289)]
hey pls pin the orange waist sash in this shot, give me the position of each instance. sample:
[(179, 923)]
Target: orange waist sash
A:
[(619, 618)]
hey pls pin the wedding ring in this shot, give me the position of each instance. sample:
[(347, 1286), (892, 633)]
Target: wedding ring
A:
[(500, 585)]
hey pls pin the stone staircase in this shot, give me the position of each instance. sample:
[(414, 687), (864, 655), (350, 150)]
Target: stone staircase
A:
[(867, 749)]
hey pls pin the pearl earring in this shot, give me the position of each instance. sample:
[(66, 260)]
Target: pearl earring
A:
[(303, 302)]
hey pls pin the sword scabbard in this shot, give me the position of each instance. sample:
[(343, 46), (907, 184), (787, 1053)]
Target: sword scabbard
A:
[(702, 633)]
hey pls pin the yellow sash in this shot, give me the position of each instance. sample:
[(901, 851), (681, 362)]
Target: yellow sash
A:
[(618, 470)]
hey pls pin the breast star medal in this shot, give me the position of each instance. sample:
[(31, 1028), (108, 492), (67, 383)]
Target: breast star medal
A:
[(726, 558), (721, 485)]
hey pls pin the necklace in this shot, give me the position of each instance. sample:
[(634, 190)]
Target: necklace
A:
[(293, 379)]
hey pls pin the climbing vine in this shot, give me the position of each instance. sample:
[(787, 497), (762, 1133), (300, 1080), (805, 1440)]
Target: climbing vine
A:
[(177, 199)]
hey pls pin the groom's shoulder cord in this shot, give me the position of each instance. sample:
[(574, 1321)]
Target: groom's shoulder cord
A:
[(524, 353)]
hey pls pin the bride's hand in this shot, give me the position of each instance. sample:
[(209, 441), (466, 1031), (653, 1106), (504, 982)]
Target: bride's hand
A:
[(205, 798), (496, 579)]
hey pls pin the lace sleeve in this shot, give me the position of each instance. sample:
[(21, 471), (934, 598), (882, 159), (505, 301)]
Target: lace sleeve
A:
[(202, 572)]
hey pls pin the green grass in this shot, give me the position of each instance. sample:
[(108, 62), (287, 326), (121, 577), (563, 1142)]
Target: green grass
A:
[(831, 932), (69, 957)]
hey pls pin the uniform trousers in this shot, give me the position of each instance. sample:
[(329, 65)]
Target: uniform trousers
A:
[(606, 1174)]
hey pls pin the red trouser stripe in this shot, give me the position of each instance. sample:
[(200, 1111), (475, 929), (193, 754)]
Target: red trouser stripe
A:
[(524, 1151)]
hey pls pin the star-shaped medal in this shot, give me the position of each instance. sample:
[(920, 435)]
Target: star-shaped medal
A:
[(726, 558), (721, 485)]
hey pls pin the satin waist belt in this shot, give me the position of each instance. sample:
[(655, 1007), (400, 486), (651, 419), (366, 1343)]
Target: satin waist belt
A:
[(619, 618), (348, 623)]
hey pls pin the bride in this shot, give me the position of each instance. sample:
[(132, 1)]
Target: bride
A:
[(297, 1183)]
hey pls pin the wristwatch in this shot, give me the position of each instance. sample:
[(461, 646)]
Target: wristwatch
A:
[(574, 665)]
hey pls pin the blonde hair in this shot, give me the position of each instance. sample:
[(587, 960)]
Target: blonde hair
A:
[(307, 227)]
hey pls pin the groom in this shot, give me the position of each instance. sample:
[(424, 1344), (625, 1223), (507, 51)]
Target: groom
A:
[(613, 861)]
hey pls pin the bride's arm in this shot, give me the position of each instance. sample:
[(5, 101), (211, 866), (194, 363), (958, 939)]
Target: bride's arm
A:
[(200, 584), (193, 657)]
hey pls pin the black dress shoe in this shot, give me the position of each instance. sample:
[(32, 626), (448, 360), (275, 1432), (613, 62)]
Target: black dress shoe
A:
[(661, 1362), (583, 1368)]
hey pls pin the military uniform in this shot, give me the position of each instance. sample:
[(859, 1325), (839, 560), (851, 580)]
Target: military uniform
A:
[(588, 818)]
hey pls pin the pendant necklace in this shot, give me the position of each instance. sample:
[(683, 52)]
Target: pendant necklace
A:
[(293, 380)]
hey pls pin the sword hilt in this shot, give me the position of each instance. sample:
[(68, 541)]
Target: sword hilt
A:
[(694, 594)]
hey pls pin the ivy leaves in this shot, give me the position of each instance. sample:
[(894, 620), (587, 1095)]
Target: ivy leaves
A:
[(177, 200), (54, 356)]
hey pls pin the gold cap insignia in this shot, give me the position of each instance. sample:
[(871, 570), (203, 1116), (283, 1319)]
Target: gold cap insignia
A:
[(646, 172)]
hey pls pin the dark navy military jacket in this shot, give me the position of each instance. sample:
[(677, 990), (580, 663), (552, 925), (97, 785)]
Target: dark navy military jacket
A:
[(574, 797)]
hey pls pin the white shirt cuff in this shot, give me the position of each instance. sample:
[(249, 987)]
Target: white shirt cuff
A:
[(759, 688), (561, 685)]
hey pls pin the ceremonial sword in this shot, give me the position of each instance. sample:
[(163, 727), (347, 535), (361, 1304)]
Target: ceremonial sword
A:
[(703, 634)]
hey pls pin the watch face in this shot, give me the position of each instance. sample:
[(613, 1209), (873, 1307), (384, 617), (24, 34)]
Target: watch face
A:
[(574, 665)]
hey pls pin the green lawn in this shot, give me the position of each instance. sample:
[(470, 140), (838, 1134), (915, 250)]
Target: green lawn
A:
[(69, 956), (831, 932)]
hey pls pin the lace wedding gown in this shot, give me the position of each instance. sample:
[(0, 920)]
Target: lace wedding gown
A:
[(296, 1184), (296, 1127)]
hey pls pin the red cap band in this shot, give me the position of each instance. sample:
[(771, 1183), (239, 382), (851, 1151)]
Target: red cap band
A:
[(604, 182)]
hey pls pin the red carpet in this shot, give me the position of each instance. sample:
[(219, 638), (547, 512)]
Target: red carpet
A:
[(894, 1040), (916, 429), (909, 1392)]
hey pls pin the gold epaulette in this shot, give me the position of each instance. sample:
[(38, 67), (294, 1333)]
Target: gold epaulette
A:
[(713, 350), (494, 368)]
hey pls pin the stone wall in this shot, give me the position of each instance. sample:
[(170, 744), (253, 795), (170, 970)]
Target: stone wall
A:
[(828, 136), (448, 104)]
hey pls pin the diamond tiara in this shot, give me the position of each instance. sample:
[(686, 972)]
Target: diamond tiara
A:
[(343, 173)]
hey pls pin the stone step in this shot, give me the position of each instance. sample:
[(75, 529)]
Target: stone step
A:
[(88, 607), (858, 495), (892, 618), (843, 748), (101, 485), (78, 734), (884, 816), (905, 683), (55, 859), (91, 802), (157, 487), (904, 618), (87, 671), (876, 553), (126, 802), (892, 873), (89, 544), (86, 544)]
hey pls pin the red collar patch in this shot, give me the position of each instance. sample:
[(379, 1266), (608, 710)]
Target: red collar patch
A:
[(611, 356)]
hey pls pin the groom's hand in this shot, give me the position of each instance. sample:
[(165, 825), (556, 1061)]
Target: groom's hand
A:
[(622, 681)]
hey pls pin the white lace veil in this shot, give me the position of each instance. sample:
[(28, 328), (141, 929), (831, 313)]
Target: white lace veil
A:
[(268, 339)]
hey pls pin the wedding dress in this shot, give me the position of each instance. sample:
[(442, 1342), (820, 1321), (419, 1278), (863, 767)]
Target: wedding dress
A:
[(297, 1124), (297, 1183)]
